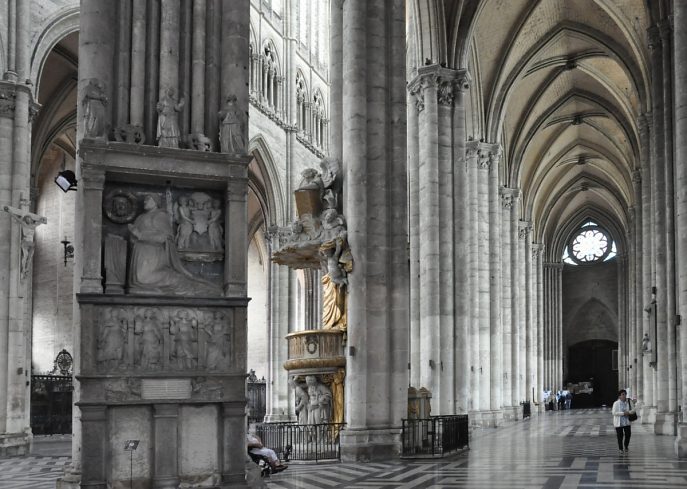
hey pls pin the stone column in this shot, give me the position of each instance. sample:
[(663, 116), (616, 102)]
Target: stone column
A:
[(521, 304), (138, 64), (122, 80), (537, 318), (278, 408), (233, 427), (665, 32), (508, 200), (495, 286), (461, 372), (169, 47), (95, 456), (515, 302), (414, 237), (374, 135), (471, 285), (548, 327), (482, 276), (336, 78), (234, 47), (560, 354), (166, 435), (638, 287), (236, 219), (92, 182), (198, 67), (680, 104), (529, 324)]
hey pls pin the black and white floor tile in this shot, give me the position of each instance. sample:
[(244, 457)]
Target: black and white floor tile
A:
[(553, 450)]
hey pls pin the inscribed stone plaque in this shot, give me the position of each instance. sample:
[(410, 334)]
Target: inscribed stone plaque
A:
[(165, 388)]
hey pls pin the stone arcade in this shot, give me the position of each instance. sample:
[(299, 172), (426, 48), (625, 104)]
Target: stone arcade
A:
[(391, 207)]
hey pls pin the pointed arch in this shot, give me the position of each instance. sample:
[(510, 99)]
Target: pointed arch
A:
[(56, 28), (265, 182)]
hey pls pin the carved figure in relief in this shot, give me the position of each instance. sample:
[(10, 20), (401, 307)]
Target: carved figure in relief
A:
[(28, 222), (168, 132), (185, 221), (333, 225), (155, 267), (332, 182), (319, 401), (183, 329), (310, 180), (150, 341), (301, 397), (216, 345), (646, 343), (232, 127), (111, 339), (215, 225), (94, 112)]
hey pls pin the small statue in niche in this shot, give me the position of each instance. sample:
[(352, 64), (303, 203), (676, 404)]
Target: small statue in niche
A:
[(111, 339), (168, 132), (155, 267), (216, 345), (28, 222), (331, 180), (183, 329), (94, 102), (646, 343), (215, 230), (232, 127), (150, 342), (185, 221)]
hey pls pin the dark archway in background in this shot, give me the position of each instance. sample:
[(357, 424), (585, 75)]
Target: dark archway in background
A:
[(594, 359)]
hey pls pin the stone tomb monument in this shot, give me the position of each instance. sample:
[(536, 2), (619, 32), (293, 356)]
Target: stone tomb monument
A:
[(163, 316)]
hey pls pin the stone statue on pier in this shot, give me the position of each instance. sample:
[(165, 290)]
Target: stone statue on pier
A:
[(646, 344), (302, 401), (94, 105), (319, 401), (232, 127), (168, 133), (28, 222)]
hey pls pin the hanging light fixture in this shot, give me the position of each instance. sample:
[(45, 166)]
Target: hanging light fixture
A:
[(66, 180)]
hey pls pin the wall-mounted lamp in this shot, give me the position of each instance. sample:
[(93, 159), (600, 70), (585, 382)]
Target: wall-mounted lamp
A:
[(66, 180), (68, 250)]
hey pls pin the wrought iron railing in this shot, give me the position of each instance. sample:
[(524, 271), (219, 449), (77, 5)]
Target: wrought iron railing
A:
[(435, 436), (256, 391), (51, 404), (302, 442)]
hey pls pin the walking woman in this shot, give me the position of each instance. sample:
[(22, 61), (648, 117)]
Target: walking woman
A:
[(621, 410)]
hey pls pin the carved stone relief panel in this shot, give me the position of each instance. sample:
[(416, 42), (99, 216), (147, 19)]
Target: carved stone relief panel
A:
[(165, 240), (149, 339)]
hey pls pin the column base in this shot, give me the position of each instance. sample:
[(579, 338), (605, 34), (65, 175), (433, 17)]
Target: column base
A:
[(278, 418), (486, 419), (665, 424), (13, 444), (370, 445), (647, 414), (512, 413), (681, 441)]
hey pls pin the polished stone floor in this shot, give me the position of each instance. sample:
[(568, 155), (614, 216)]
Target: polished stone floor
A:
[(567, 449)]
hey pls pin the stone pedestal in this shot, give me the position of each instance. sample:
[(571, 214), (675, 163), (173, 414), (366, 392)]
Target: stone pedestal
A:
[(366, 445), (489, 419), (512, 413), (681, 441), (664, 424)]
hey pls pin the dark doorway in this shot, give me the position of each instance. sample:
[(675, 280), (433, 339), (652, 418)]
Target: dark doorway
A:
[(593, 360)]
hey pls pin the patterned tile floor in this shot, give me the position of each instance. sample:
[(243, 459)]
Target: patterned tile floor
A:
[(559, 450)]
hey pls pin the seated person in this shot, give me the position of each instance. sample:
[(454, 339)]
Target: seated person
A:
[(256, 447)]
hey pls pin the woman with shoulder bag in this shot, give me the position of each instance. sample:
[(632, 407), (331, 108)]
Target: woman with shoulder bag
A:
[(622, 415)]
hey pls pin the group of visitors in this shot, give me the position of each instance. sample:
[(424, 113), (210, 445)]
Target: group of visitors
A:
[(559, 400)]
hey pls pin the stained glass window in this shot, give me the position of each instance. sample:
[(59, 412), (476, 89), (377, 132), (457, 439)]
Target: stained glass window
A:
[(590, 244)]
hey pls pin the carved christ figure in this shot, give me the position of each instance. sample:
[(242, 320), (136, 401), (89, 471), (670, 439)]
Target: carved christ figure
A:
[(28, 222)]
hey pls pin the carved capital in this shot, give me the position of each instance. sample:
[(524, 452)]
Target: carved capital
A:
[(664, 30), (637, 176), (524, 228), (447, 83), (8, 96), (509, 197)]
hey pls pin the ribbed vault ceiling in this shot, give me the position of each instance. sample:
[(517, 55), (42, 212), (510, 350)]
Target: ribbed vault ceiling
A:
[(562, 84)]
